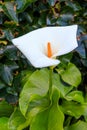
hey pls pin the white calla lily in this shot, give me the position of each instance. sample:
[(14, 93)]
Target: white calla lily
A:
[(37, 44)]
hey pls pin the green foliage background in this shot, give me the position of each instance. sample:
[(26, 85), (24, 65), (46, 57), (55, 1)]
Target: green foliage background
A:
[(18, 17)]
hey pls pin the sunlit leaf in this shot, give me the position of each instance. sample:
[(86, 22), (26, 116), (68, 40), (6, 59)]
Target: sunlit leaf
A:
[(51, 118), (71, 75), (4, 123), (75, 96), (76, 111), (16, 120), (36, 85), (62, 87), (80, 125)]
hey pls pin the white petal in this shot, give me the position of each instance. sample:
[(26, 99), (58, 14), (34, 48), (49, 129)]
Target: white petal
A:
[(67, 39), (33, 45), (45, 62)]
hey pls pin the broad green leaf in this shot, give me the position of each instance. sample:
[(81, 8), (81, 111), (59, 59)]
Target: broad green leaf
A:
[(80, 125), (74, 109), (71, 75), (5, 109), (25, 76), (9, 10), (4, 123), (40, 122), (85, 111), (5, 74), (62, 87), (50, 119), (56, 117), (16, 120), (75, 96), (37, 84), (37, 105)]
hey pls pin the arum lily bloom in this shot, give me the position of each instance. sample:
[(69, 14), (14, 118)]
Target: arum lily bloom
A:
[(41, 46)]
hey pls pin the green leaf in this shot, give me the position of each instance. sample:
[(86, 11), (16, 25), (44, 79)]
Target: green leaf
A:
[(56, 117), (80, 125), (71, 75), (16, 120), (73, 108), (37, 104), (51, 2), (40, 121), (5, 74), (65, 58), (75, 96), (23, 4), (62, 87), (4, 123), (8, 8), (5, 109), (11, 52), (8, 33), (50, 119), (37, 84), (74, 5), (25, 76)]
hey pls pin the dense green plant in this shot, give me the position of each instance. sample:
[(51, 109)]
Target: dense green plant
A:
[(18, 17)]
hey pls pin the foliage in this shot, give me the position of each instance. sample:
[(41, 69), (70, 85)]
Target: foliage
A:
[(67, 108)]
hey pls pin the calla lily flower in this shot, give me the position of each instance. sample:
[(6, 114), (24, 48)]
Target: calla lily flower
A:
[(42, 46)]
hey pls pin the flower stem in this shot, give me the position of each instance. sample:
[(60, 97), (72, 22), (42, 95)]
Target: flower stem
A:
[(50, 82)]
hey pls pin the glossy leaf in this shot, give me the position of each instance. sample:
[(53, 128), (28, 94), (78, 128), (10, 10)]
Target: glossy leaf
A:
[(36, 85), (74, 6), (51, 2), (51, 118), (71, 75), (8, 8), (62, 87), (11, 52), (75, 96), (23, 4), (5, 74), (25, 76)]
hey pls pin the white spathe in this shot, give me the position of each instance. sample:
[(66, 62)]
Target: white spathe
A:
[(34, 44)]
